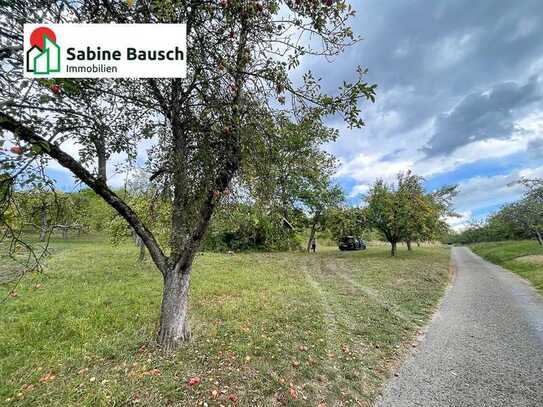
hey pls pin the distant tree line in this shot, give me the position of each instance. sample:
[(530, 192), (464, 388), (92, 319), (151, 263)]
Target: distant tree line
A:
[(519, 220), (258, 213)]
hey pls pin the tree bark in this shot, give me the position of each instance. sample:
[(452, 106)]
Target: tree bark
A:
[(102, 167), (174, 325), (312, 233), (100, 147), (539, 238), (285, 214), (141, 246), (102, 163), (408, 242), (393, 249)]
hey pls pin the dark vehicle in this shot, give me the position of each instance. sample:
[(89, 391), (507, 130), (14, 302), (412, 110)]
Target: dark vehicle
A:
[(351, 243)]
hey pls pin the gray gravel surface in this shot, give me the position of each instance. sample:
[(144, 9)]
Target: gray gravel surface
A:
[(484, 346)]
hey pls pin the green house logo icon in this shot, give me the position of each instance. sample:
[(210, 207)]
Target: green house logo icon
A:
[(44, 56)]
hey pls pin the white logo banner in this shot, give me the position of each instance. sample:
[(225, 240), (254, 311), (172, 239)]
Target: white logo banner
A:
[(105, 51)]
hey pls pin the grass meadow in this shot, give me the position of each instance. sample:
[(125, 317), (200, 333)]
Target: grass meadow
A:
[(270, 329), (524, 257)]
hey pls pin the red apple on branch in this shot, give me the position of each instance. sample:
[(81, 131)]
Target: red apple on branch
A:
[(17, 150), (55, 88)]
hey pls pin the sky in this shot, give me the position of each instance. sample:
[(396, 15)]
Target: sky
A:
[(459, 98)]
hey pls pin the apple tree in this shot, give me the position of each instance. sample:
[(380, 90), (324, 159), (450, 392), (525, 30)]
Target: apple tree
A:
[(346, 221), (404, 212)]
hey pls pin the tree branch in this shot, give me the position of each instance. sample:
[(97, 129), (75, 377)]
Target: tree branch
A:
[(96, 184)]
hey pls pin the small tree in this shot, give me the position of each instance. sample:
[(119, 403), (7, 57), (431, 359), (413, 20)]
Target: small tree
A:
[(404, 212), (318, 198), (342, 221), (415, 207), (385, 213)]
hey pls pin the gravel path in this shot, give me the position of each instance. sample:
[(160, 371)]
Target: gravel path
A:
[(483, 348)]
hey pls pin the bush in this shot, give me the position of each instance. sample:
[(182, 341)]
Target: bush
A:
[(240, 227)]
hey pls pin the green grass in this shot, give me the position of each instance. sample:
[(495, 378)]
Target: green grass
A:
[(508, 254), (330, 326)]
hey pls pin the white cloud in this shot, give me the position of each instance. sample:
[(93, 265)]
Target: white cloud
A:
[(116, 176), (460, 222), (470, 153), (359, 190), (452, 50), (481, 192), (365, 168)]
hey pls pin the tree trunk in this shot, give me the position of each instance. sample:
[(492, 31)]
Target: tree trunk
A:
[(285, 215), (539, 238), (174, 324), (141, 246), (43, 223), (65, 233), (408, 242), (393, 249), (312, 234), (102, 167), (99, 144)]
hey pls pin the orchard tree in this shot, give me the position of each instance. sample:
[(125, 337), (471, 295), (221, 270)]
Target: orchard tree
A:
[(341, 221), (498, 226), (288, 166), (423, 213), (46, 210), (318, 197), (518, 220), (239, 57), (404, 212), (36, 208), (534, 187), (384, 212), (414, 208), (441, 202), (291, 171), (533, 203), (525, 215), (239, 225)]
